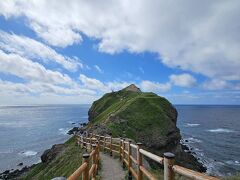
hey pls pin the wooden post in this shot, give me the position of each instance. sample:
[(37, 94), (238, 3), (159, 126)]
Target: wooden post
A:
[(84, 143), (111, 144), (168, 163), (85, 175), (139, 161), (104, 143), (90, 141), (78, 140), (97, 155), (94, 160), (129, 160), (81, 143), (120, 151), (123, 153)]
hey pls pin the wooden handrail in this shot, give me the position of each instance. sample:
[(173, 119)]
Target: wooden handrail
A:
[(133, 146), (147, 173), (78, 172), (152, 156), (123, 148), (133, 159), (191, 174), (133, 173), (84, 170)]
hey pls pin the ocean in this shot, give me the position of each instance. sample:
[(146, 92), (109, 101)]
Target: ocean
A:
[(212, 132), (26, 131)]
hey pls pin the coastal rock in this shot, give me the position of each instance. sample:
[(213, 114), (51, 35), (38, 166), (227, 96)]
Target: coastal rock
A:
[(50, 154), (20, 164), (73, 130), (76, 130), (144, 117), (15, 174), (83, 124)]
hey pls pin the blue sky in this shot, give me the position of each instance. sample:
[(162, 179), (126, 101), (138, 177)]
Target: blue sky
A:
[(73, 53)]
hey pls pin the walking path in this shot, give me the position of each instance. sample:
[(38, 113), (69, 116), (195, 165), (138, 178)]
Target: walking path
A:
[(111, 168)]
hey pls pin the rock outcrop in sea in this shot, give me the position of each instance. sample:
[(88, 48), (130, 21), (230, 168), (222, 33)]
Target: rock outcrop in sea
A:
[(144, 117)]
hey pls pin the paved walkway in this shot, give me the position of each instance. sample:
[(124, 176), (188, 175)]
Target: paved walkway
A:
[(111, 168)]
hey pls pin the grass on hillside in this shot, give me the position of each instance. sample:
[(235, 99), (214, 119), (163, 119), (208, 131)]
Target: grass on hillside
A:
[(63, 165), (140, 109), (235, 177)]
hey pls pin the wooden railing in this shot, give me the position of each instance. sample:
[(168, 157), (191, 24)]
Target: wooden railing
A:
[(85, 170), (131, 156)]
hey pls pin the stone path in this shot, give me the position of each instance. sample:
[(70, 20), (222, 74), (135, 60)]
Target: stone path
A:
[(111, 168)]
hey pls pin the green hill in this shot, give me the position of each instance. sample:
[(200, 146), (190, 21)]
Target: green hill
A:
[(144, 117), (135, 115)]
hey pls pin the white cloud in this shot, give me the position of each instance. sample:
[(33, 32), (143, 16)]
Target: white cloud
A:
[(116, 85), (200, 36), (218, 84), (154, 86), (183, 80), (92, 83), (56, 36), (212, 97), (42, 88), (33, 49), (31, 71), (12, 93), (98, 69), (102, 87)]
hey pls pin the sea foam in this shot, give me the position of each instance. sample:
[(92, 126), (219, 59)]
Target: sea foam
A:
[(63, 131), (193, 140), (28, 153), (221, 130), (192, 125)]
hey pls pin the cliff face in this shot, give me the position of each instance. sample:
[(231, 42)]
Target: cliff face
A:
[(143, 117)]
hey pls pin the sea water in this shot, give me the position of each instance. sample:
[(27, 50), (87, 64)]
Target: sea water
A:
[(26, 131), (213, 133)]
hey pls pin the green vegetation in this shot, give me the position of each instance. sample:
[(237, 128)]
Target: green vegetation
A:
[(128, 113), (235, 177), (63, 165)]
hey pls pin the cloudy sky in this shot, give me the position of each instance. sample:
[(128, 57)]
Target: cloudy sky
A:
[(75, 51)]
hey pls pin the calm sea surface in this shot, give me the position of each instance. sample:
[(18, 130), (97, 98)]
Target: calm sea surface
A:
[(213, 132)]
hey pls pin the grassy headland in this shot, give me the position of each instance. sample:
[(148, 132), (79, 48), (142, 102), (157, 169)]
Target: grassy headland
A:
[(64, 164)]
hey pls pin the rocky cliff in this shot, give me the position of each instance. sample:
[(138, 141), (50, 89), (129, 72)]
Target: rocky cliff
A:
[(144, 117)]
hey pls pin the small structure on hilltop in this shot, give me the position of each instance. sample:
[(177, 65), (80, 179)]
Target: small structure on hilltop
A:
[(132, 88)]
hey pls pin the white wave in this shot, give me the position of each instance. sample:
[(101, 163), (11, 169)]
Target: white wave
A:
[(192, 140), (197, 149), (231, 162), (28, 153), (63, 131), (192, 125), (221, 130)]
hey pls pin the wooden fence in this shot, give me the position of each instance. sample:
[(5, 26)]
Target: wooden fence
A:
[(131, 156), (85, 170)]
